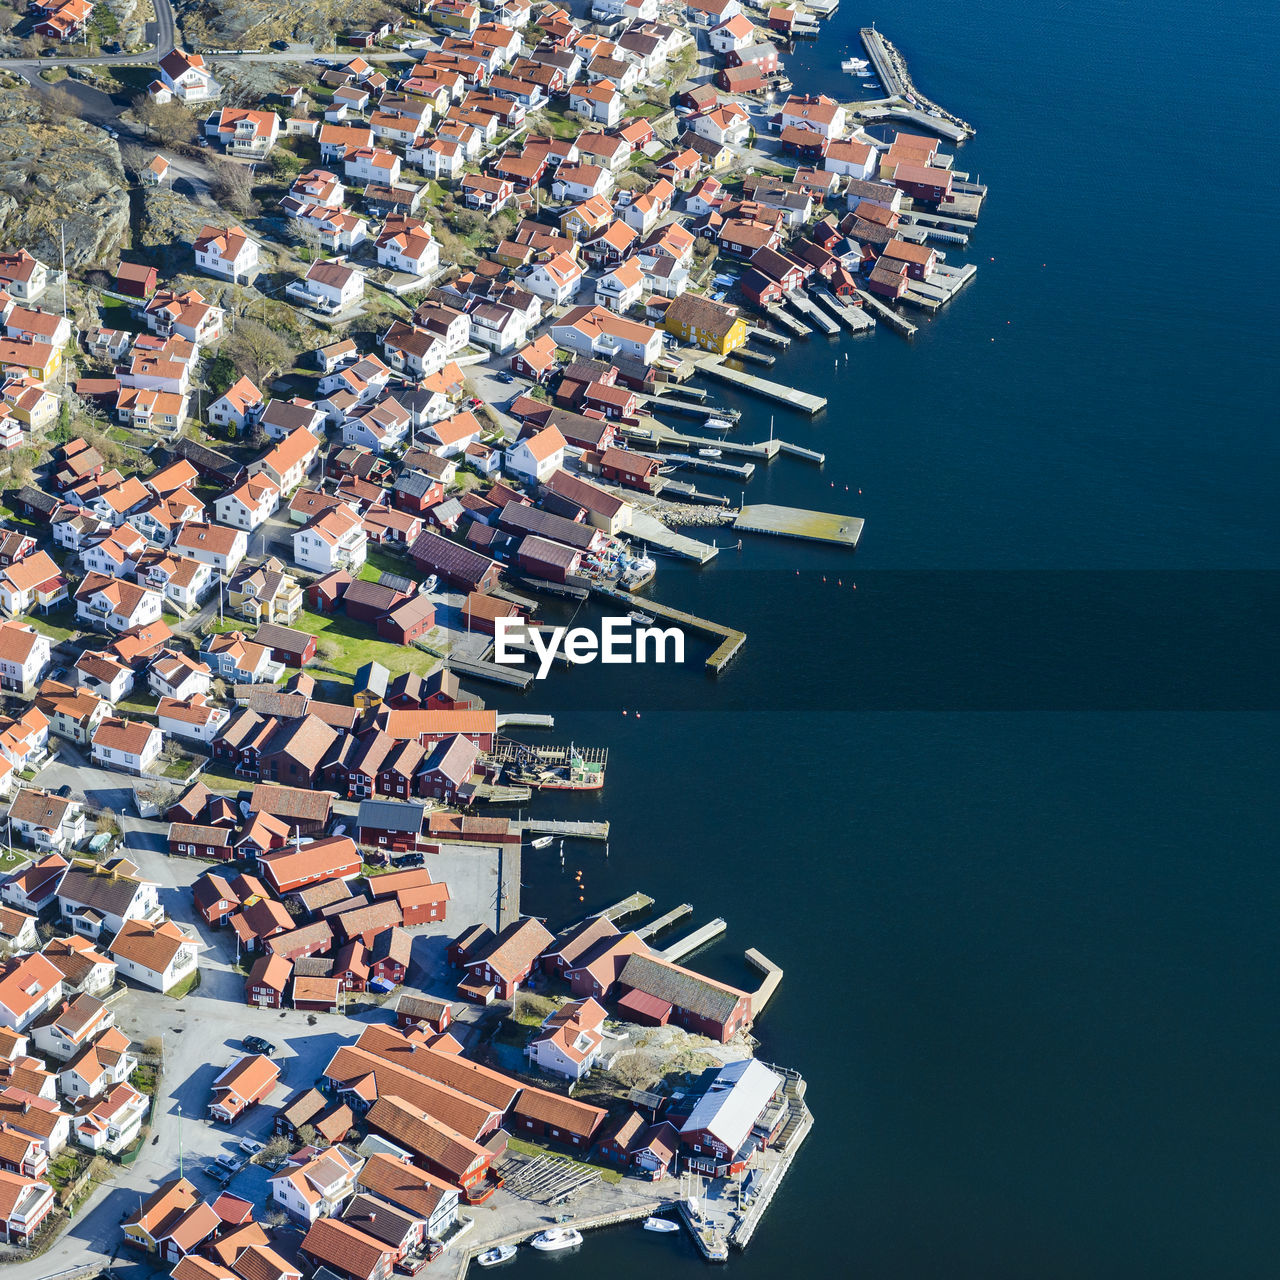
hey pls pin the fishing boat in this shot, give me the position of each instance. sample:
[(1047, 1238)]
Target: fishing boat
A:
[(541, 842), (582, 771), (711, 453), (854, 64), (555, 1238), (660, 1224), (643, 619), (500, 1253)]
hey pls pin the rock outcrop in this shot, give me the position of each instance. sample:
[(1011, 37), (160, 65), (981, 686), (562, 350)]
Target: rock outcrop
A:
[(59, 173)]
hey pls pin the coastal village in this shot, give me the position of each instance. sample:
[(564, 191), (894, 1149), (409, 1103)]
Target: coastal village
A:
[(403, 376)]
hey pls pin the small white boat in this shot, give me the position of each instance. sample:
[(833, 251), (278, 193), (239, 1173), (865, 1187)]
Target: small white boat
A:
[(660, 1224), (555, 1238), (711, 453), (643, 619), (541, 842), (718, 424), (854, 64), (500, 1253)]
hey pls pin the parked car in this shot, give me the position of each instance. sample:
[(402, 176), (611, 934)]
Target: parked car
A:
[(505, 377), (408, 860), (228, 1164), (251, 1146), (256, 1044)]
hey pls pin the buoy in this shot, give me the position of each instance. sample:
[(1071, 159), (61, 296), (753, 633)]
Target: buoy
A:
[(859, 490), (824, 577), (637, 715), (839, 582), (624, 711)]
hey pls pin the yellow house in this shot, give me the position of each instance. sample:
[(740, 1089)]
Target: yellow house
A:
[(30, 403), (265, 593), (41, 360), (706, 323)]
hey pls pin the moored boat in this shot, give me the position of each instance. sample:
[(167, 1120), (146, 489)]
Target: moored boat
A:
[(541, 842), (556, 1238), (499, 1253), (660, 1224)]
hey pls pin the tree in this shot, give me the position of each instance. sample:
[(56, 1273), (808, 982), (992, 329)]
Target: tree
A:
[(276, 1149), (307, 1135), (232, 186), (170, 122), (8, 20), (258, 351)]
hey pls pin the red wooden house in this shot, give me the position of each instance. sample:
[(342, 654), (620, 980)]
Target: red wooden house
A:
[(629, 469)]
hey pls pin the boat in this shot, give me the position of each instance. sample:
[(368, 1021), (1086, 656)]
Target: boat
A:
[(718, 424), (854, 64), (642, 618), (555, 1238), (500, 1253), (711, 453), (660, 1224), (541, 842)]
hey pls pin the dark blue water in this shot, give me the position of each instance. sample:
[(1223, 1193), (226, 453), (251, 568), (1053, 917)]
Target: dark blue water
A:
[(1005, 812)]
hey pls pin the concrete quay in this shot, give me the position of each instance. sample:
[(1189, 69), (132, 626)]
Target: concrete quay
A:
[(687, 945), (730, 640), (811, 404), (801, 302), (793, 522), (772, 977), (645, 528)]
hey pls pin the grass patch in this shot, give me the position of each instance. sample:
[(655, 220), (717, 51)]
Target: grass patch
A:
[(59, 624), (378, 560), (139, 703), (145, 1078), (11, 860), (355, 643), (527, 1148), (185, 987)]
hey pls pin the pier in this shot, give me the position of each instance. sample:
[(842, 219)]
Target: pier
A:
[(554, 827), (692, 941), (693, 410), (888, 314), (855, 319), (801, 302), (663, 435), (811, 404), (524, 720), (891, 70), (645, 528), (665, 922), (772, 976), (756, 334), (794, 522), (735, 470), (730, 640), (798, 451), (631, 905), (754, 357), (513, 676), (779, 316)]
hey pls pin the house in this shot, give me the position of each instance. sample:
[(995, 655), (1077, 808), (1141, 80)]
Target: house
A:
[(239, 405), (34, 582), (593, 331), (632, 470), (439, 1148), (110, 604), (35, 886), (499, 967), (430, 1200), (556, 279), (18, 930), (131, 746), (457, 565), (315, 1186), (227, 252), (113, 1122), (22, 276), (335, 1245), (706, 323), (306, 812), (158, 1212), (268, 981), (620, 289), (290, 460), (243, 131), (47, 821), (406, 244), (246, 1082), (29, 987), (556, 1118), (569, 1041), (82, 967), (329, 287), (159, 956), (231, 657), (335, 539), (186, 77), (175, 675), (286, 870), (24, 1204), (24, 657)]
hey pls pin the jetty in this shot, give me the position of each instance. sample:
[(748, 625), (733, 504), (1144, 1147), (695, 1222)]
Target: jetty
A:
[(799, 451), (888, 314), (524, 720), (665, 922), (692, 941), (779, 316), (772, 976), (730, 640), (735, 470), (664, 436), (631, 905), (891, 70), (754, 357), (855, 319), (645, 528), (556, 827), (756, 334), (811, 404), (795, 522), (516, 677), (800, 301)]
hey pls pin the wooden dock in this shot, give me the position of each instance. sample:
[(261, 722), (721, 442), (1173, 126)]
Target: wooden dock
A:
[(754, 357), (756, 334), (665, 922), (668, 437), (888, 314), (692, 941), (798, 451), (517, 677), (811, 404), (730, 640), (629, 906), (772, 976), (794, 522), (556, 827), (780, 317), (855, 319), (801, 302)]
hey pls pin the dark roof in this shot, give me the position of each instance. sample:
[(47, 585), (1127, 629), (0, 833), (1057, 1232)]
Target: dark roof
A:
[(520, 518), (274, 636), (391, 815), (37, 499), (433, 552), (679, 987)]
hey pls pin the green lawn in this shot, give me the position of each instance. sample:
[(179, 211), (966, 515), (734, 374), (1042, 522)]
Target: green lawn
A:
[(186, 986), (530, 1149), (139, 702), (11, 860), (379, 561), (358, 643), (58, 625)]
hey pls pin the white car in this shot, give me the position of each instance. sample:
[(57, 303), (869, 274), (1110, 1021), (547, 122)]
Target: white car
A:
[(227, 1163), (251, 1146)]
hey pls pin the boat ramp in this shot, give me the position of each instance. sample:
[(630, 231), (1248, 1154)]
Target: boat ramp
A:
[(811, 404), (794, 522)]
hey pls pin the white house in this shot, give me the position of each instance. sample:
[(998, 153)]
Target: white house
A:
[(46, 820), (70, 1026), (556, 280), (852, 159), (158, 956), (128, 745), (249, 505), (186, 77), (181, 580), (621, 288), (593, 331), (372, 164), (570, 1040), (329, 287), (113, 605), (238, 405), (194, 718), (29, 987), (174, 674), (406, 244), (818, 112), (335, 539), (218, 545), (113, 1123), (315, 1188), (538, 456), (581, 182), (24, 657), (600, 103), (228, 252), (245, 132), (117, 554)]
